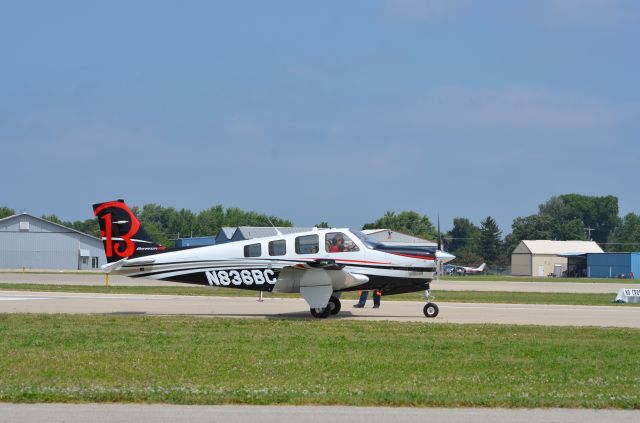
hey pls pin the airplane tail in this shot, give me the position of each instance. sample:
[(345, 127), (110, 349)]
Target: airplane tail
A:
[(481, 267), (122, 234)]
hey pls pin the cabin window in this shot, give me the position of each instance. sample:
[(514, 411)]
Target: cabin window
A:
[(278, 248), (253, 250), (307, 244), (338, 242)]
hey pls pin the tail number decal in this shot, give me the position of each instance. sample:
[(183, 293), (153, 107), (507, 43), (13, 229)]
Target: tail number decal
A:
[(240, 277)]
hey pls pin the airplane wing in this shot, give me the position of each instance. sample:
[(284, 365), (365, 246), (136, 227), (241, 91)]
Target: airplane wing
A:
[(316, 281)]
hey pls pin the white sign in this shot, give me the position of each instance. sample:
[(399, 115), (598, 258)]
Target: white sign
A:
[(628, 295)]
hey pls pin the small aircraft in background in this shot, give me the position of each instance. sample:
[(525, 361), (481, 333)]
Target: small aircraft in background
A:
[(453, 269), (319, 264)]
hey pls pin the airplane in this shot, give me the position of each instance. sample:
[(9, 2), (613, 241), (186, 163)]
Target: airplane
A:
[(452, 269), (319, 264)]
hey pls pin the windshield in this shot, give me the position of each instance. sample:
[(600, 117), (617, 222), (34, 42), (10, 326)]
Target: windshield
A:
[(368, 241)]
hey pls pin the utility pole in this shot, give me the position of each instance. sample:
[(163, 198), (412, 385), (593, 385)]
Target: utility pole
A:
[(589, 229)]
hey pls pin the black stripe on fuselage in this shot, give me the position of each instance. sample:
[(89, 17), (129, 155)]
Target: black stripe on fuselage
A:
[(225, 264), (387, 284)]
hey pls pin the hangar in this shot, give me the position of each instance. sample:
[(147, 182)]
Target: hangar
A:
[(547, 258), (29, 242)]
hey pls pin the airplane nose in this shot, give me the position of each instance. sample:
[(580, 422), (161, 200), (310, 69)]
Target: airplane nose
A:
[(444, 257)]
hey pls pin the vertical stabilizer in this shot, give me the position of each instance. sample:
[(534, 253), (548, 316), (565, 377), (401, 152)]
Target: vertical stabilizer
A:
[(122, 234)]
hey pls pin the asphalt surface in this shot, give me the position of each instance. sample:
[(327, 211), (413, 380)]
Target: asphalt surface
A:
[(130, 413), (294, 308), (115, 280)]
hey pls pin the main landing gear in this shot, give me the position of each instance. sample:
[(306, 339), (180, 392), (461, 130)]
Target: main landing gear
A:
[(430, 309), (333, 307)]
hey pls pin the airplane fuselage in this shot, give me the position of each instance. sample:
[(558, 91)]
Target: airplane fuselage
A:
[(257, 264)]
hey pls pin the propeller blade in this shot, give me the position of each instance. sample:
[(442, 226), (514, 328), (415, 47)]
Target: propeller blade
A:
[(439, 235)]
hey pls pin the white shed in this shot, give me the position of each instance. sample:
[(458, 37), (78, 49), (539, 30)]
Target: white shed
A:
[(542, 257)]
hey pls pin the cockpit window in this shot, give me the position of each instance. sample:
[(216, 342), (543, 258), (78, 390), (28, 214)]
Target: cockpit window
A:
[(368, 241), (338, 242)]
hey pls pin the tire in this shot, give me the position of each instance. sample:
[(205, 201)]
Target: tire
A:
[(334, 305), (321, 313), (430, 310)]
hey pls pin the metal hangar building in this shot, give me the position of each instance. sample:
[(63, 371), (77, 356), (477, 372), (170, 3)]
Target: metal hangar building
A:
[(29, 242)]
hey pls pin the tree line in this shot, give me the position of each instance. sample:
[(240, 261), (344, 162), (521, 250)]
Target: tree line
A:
[(165, 224), (563, 217)]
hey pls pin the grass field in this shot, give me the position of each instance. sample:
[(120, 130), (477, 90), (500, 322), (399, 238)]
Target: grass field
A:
[(441, 296), (186, 360)]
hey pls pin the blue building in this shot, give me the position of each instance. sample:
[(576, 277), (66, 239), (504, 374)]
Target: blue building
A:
[(613, 265)]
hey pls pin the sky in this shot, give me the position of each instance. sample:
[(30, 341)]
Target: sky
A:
[(332, 111)]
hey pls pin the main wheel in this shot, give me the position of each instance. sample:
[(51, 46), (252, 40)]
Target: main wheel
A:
[(321, 313), (334, 305), (430, 310)]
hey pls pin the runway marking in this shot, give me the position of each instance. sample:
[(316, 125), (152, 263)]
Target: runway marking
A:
[(23, 298), (547, 307)]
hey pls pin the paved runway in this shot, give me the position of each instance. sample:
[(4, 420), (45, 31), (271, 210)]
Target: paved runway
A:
[(522, 314), (115, 280), (128, 413)]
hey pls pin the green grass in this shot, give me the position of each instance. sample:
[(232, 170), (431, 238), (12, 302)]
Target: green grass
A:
[(441, 296), (185, 360)]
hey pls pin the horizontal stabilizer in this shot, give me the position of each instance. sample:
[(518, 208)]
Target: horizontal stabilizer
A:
[(114, 265)]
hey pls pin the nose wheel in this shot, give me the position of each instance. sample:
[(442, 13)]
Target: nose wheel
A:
[(430, 309)]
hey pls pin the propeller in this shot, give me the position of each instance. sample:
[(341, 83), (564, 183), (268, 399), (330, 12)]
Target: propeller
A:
[(439, 235)]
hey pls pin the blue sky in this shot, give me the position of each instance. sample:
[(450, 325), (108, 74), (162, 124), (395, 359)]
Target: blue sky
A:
[(331, 110)]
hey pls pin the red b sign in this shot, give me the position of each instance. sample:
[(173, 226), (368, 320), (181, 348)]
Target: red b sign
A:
[(107, 233)]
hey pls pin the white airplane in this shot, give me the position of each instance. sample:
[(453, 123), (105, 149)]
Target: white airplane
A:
[(319, 264), (452, 269)]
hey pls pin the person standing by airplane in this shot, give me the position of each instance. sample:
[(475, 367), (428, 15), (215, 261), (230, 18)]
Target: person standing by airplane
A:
[(363, 299)]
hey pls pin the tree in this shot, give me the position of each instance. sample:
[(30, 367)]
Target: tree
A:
[(573, 213), (322, 224), (532, 227), (409, 222), (463, 235), (89, 227), (626, 236), (53, 218), (6, 212), (490, 243)]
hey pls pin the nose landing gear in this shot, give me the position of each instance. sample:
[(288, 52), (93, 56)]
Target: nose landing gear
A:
[(430, 309)]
